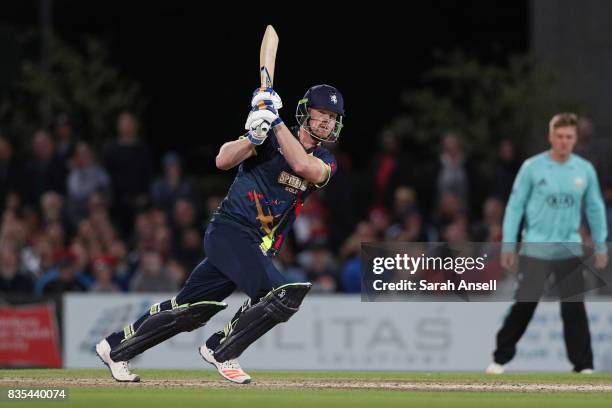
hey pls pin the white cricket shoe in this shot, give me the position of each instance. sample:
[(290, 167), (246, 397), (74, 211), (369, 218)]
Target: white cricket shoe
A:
[(120, 370), (586, 371), (495, 368), (229, 369)]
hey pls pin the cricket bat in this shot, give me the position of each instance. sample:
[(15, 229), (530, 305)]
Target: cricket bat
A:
[(267, 56), (267, 60)]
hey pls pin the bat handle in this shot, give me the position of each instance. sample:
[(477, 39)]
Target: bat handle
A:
[(262, 129)]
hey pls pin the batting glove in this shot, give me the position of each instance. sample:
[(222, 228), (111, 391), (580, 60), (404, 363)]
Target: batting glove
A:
[(266, 94), (259, 122)]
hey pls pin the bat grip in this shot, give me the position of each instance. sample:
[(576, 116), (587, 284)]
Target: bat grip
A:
[(262, 129)]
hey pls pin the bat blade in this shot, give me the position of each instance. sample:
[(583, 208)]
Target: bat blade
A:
[(267, 56)]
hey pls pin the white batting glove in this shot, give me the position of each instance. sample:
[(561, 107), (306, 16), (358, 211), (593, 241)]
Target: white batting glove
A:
[(266, 94), (259, 122)]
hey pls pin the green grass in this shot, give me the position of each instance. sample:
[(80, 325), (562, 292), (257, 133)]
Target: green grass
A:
[(328, 398), (244, 396)]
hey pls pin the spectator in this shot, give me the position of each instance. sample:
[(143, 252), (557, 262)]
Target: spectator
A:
[(410, 228), (86, 234), (404, 199), (364, 232), (450, 209), (452, 174), (130, 166), (489, 229), (152, 276), (177, 272), (64, 142), (507, 165), (391, 168), (82, 257), (52, 208), (379, 220), (103, 270), (172, 185), (13, 230), (350, 277), (63, 278), (311, 224), (338, 198), (189, 250), (37, 258), (184, 217), (43, 171), (456, 231), (285, 263), (10, 171), (607, 196), (596, 150), (30, 220), (85, 178), (319, 266), (11, 280), (124, 266), (56, 237), (158, 218), (162, 242)]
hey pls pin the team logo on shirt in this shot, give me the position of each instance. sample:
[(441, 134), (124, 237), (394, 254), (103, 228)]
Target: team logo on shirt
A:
[(579, 182), (266, 220)]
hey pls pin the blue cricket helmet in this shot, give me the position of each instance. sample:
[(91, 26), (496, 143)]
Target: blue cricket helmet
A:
[(321, 97), (325, 97)]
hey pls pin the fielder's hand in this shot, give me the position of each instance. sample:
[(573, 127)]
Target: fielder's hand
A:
[(259, 122), (266, 94), (508, 261), (601, 260)]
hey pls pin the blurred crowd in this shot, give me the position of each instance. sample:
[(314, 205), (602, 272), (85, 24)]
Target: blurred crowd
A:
[(77, 218)]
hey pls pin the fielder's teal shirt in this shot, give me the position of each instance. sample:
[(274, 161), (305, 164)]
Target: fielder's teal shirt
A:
[(551, 196)]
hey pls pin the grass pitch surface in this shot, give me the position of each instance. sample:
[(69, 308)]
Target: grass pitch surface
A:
[(186, 388)]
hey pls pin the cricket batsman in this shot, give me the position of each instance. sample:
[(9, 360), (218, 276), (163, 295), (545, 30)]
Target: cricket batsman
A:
[(277, 171), (549, 194)]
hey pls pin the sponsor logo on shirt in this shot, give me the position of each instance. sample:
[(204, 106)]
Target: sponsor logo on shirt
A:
[(560, 201), (292, 183)]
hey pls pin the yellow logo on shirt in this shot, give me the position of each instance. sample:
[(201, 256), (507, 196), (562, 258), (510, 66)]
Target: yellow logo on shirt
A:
[(292, 183)]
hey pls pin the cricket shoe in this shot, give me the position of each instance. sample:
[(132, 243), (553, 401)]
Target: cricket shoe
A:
[(229, 369), (120, 370), (495, 368)]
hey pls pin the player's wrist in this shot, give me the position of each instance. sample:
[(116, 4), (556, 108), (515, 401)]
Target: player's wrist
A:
[(277, 122), (601, 248), (248, 139), (255, 139)]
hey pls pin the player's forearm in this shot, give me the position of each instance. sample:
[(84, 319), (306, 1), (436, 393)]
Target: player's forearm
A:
[(511, 223), (596, 216), (596, 211), (233, 153), (303, 164), (293, 151)]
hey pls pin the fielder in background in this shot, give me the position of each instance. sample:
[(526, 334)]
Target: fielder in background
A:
[(549, 193), (278, 170)]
